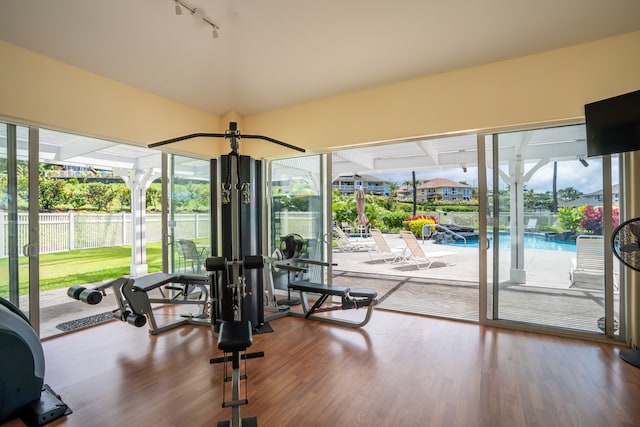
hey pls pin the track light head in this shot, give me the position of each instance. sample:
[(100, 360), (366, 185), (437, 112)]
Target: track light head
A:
[(199, 14)]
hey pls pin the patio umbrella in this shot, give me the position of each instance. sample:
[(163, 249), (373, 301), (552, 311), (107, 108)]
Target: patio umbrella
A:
[(361, 219)]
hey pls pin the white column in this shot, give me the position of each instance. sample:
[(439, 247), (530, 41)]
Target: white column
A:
[(138, 180), (516, 181)]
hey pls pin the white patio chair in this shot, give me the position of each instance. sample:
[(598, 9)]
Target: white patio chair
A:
[(532, 225), (383, 250), (588, 265), (349, 244), (418, 256)]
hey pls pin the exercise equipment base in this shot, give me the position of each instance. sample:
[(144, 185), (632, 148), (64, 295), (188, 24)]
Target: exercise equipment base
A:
[(246, 422), (48, 408)]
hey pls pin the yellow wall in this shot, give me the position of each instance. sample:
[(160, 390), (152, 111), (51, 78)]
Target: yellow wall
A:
[(35, 89), (549, 86)]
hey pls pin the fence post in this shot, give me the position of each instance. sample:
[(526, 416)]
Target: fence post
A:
[(72, 233), (197, 227), (3, 221), (123, 228)]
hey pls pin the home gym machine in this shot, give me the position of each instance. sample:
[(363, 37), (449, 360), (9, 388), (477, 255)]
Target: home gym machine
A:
[(134, 297), (236, 286), (22, 389), (237, 225)]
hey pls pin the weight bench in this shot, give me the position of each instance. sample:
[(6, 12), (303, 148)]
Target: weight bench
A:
[(350, 298), (235, 337), (134, 301)]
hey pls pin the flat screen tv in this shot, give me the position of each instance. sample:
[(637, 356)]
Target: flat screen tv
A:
[(613, 125)]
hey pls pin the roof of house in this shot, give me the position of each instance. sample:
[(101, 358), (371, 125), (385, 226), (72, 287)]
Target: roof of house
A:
[(434, 183), (442, 182), (366, 178)]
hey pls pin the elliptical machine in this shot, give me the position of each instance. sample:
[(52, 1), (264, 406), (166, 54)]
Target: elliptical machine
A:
[(22, 389)]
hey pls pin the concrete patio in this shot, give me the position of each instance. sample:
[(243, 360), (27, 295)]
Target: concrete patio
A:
[(452, 290)]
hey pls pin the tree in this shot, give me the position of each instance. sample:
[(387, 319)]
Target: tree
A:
[(540, 201), (100, 195), (554, 202), (152, 197), (75, 193), (569, 193), (51, 193)]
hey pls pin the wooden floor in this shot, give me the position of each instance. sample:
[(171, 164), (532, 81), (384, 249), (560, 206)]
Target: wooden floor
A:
[(399, 370)]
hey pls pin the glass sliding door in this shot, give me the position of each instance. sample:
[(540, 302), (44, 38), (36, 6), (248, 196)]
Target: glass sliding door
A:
[(549, 206), (188, 213), (16, 251), (298, 210)]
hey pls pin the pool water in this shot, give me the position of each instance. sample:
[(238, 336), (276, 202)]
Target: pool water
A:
[(531, 241)]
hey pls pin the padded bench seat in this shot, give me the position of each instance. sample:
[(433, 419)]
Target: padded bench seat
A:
[(155, 280), (340, 291), (363, 293), (152, 281), (235, 336)]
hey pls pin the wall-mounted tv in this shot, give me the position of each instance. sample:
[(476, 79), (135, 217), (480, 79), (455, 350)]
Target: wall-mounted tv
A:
[(613, 125)]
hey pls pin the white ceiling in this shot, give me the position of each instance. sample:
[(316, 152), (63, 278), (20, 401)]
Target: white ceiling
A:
[(275, 53)]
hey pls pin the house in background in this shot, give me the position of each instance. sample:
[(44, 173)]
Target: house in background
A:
[(371, 185), (437, 189), (598, 195)]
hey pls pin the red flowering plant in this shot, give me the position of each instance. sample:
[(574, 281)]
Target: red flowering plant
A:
[(415, 222), (592, 219)]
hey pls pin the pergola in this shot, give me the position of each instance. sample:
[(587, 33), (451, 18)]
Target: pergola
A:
[(137, 166), (519, 155)]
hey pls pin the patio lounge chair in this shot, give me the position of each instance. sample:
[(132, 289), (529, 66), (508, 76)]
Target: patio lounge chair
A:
[(351, 244), (383, 250), (588, 265), (532, 225), (418, 256)]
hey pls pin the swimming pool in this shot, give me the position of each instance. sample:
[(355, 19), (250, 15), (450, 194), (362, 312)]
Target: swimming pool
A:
[(531, 241)]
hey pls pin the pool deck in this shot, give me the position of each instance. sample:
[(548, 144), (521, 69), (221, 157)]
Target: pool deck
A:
[(544, 268)]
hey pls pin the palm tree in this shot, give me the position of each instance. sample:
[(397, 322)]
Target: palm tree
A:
[(554, 202)]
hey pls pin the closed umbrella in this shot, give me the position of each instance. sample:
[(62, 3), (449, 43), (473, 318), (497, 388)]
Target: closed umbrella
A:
[(361, 219)]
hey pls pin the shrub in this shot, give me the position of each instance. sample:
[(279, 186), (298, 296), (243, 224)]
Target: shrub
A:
[(100, 195), (415, 223), (51, 193), (570, 217), (394, 219), (592, 219)]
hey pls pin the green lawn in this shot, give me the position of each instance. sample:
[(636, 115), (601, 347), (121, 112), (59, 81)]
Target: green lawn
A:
[(78, 267)]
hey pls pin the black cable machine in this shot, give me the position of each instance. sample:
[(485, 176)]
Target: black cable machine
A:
[(240, 233), (236, 286)]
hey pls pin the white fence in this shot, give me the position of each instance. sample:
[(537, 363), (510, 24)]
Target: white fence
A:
[(70, 230)]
